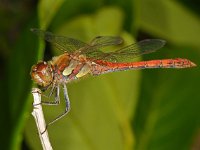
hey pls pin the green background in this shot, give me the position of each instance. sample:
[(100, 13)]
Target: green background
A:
[(156, 109)]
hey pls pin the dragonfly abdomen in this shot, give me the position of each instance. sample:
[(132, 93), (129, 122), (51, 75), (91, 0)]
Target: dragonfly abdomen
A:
[(105, 67), (165, 63)]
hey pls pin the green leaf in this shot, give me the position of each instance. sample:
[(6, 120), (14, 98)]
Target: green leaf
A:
[(47, 9), (18, 85), (169, 19), (89, 26)]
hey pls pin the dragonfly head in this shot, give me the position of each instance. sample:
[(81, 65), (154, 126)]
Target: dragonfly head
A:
[(42, 73)]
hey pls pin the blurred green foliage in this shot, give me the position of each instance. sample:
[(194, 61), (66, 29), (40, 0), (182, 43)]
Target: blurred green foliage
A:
[(154, 109)]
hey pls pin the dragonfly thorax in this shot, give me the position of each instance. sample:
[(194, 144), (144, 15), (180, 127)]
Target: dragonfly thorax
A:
[(42, 73)]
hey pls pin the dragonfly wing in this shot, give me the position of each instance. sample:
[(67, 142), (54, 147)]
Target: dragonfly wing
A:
[(63, 43), (99, 42), (133, 50)]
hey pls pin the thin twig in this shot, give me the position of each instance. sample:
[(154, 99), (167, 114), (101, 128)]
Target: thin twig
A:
[(39, 119)]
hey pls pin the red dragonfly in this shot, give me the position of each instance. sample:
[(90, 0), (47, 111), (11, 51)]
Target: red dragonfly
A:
[(80, 59)]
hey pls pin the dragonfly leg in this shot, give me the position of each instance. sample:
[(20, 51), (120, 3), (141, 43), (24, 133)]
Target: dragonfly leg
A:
[(52, 89), (66, 98), (57, 96), (67, 109)]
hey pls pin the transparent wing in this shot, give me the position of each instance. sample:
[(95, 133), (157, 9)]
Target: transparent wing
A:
[(130, 51), (99, 42), (70, 45), (63, 43), (92, 50)]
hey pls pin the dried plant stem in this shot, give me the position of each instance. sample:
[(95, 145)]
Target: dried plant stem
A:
[(39, 119)]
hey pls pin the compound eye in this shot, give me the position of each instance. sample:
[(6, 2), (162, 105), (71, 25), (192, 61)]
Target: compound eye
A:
[(42, 74)]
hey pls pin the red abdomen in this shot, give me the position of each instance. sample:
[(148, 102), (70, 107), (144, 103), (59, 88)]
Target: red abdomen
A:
[(104, 66)]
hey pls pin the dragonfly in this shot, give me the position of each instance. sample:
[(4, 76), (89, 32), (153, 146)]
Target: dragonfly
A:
[(80, 59)]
